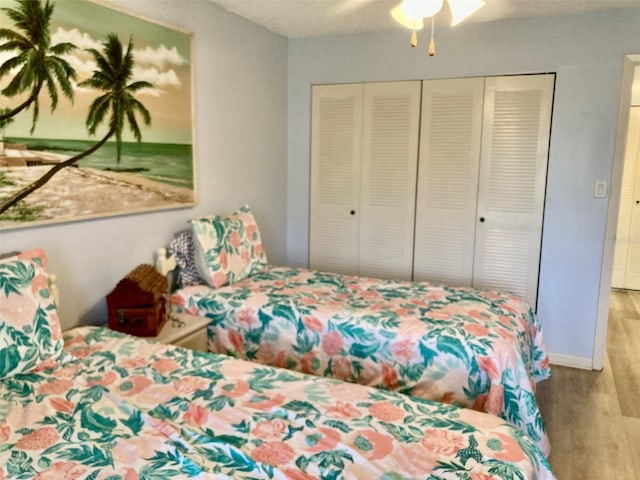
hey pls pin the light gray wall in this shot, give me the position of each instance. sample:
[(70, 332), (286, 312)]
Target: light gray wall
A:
[(240, 72), (586, 52)]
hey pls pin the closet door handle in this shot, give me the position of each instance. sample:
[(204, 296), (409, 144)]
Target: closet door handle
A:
[(352, 212), (481, 219)]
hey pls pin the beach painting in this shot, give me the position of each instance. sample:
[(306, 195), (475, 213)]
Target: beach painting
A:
[(96, 113)]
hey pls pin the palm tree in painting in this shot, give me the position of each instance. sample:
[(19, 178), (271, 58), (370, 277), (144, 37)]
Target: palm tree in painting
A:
[(39, 64), (114, 70), (3, 126), (113, 73)]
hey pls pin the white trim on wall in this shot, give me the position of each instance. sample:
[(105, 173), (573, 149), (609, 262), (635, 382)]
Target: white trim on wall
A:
[(584, 363), (606, 272)]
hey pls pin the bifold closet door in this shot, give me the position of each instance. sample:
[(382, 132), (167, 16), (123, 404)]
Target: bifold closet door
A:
[(391, 123), (448, 180), (626, 267), (336, 155), (364, 149), (480, 180), (511, 188)]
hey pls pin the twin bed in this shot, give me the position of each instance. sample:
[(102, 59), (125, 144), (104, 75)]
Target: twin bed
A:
[(102, 405), (476, 349), (480, 350), (118, 407)]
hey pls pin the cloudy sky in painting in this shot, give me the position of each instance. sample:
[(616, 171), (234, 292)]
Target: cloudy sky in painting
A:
[(162, 57)]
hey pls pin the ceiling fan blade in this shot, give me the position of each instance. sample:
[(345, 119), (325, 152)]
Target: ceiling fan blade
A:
[(461, 9), (348, 6)]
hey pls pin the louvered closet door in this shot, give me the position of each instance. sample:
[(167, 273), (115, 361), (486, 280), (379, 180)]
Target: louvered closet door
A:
[(336, 139), (632, 273), (627, 200), (448, 180), (513, 168), (389, 163)]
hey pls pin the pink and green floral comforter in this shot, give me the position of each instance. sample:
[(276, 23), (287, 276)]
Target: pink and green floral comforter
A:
[(119, 407), (480, 350)]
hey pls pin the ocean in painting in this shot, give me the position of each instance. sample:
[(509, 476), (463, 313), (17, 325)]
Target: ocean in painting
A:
[(162, 162)]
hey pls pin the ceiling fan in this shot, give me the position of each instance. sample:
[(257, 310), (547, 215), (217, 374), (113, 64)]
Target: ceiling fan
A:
[(411, 14)]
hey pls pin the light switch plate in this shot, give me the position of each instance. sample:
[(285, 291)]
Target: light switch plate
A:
[(601, 189)]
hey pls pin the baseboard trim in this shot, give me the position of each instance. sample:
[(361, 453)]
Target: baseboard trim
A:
[(571, 361)]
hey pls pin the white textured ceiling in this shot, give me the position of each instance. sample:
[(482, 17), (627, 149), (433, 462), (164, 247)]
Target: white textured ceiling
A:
[(308, 18)]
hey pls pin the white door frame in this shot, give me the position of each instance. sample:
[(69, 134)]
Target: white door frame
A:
[(600, 341)]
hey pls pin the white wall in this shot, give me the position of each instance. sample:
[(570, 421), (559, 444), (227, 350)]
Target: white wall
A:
[(240, 72), (586, 52)]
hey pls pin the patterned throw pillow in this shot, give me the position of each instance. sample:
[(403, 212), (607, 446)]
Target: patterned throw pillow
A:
[(30, 334), (228, 249), (181, 247)]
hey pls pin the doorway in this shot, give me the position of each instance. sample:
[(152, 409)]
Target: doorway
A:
[(631, 62), (623, 329), (626, 263)]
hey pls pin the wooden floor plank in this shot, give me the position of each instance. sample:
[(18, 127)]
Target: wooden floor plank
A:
[(583, 419), (621, 303), (584, 411), (623, 349), (632, 428), (634, 297)]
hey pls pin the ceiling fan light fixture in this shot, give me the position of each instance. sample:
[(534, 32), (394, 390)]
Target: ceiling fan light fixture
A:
[(414, 9), (461, 9), (411, 14), (399, 16)]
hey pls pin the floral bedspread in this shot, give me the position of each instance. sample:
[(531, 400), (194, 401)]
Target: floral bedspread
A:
[(480, 350), (123, 408)]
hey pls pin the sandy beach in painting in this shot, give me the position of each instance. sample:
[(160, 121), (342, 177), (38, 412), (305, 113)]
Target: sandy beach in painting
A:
[(75, 193)]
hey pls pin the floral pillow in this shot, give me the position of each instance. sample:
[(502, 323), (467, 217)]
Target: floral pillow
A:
[(228, 249), (30, 334)]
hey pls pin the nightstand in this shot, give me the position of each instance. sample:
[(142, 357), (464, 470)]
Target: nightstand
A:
[(192, 335)]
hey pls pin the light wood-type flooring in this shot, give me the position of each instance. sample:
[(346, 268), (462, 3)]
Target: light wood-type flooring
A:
[(593, 418)]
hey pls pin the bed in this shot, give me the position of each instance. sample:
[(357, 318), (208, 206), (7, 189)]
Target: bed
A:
[(471, 348), (99, 404)]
